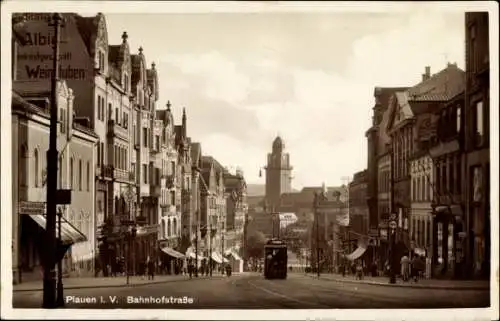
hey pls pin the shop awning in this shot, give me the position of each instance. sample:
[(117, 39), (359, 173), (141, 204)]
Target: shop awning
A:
[(216, 257), (356, 254), (192, 255), (234, 255), (69, 233), (172, 252)]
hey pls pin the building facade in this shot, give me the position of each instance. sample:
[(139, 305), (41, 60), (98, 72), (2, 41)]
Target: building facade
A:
[(477, 143), (358, 207), (236, 216), (278, 174), (30, 143), (422, 194), (411, 130)]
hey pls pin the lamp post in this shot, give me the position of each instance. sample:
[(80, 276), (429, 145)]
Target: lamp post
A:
[(49, 282), (316, 216), (392, 223), (60, 288)]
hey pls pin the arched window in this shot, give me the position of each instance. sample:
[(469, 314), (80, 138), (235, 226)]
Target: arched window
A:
[(80, 169), (37, 167), (71, 173), (169, 227), (88, 176), (23, 168)]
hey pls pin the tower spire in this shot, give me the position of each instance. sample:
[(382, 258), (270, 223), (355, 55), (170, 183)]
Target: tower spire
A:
[(184, 122)]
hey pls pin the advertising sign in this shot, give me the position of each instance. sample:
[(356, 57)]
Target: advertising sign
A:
[(35, 58)]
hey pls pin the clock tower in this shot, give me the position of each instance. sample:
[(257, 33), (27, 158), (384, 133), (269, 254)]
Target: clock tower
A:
[(278, 174)]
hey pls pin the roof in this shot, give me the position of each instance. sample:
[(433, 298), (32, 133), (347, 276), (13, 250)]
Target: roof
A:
[(32, 88), (442, 86), (87, 27), (384, 94)]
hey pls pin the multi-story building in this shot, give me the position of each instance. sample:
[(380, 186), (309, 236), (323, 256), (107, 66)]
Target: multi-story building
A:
[(191, 228), (236, 215), (410, 129), (377, 150), (184, 193), (84, 67), (144, 86), (169, 216), (30, 142), (422, 190), (213, 208), (477, 143), (358, 208), (447, 199)]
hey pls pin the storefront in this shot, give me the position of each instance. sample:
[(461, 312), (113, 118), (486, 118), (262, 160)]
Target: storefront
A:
[(448, 259), (32, 241)]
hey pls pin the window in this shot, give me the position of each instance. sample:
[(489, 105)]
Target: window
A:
[(157, 174), (37, 167), (80, 174), (99, 107), (110, 111), (71, 173), (145, 137), (60, 171), (169, 228), (157, 142), (88, 176), (172, 168), (117, 115), (459, 118), (145, 173), (172, 197), (417, 192), (422, 188), (102, 153), (62, 118), (414, 187), (479, 123)]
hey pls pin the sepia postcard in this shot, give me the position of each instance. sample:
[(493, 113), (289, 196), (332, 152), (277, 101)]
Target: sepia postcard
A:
[(254, 160)]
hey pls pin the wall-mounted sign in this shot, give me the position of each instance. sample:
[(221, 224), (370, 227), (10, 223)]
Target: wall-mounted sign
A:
[(32, 208), (34, 59)]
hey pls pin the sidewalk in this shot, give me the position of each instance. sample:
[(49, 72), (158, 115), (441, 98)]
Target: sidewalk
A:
[(106, 282), (422, 283)]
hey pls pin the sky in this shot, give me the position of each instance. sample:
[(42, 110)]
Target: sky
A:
[(245, 78)]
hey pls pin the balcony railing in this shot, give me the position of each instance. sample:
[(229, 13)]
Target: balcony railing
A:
[(121, 175), (107, 171), (116, 130)]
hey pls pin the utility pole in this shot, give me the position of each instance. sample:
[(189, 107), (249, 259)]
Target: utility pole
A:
[(49, 281), (196, 243), (316, 215)]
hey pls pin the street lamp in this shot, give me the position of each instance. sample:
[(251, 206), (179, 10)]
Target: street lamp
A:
[(49, 282)]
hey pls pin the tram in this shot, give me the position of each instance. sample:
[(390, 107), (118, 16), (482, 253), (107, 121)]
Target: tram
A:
[(275, 259)]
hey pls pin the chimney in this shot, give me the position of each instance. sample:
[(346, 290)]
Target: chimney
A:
[(427, 74)]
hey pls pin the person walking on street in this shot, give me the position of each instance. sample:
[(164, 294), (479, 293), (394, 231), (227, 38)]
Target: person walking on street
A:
[(151, 269), (405, 267)]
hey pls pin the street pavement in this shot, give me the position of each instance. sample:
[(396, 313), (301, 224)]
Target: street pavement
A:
[(252, 291)]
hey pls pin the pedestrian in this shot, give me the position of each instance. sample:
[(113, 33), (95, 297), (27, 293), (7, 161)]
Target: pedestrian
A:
[(359, 271), (405, 267), (190, 268), (151, 270)]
